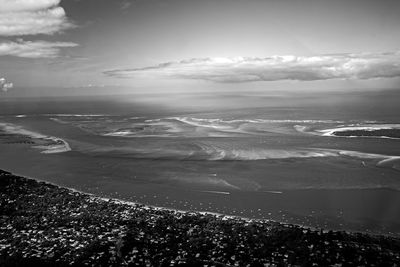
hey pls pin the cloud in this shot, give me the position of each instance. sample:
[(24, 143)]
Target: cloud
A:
[(33, 49), (30, 17), (5, 85), (275, 68), (24, 5), (125, 4)]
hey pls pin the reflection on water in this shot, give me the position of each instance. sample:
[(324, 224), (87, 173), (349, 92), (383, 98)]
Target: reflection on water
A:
[(263, 162)]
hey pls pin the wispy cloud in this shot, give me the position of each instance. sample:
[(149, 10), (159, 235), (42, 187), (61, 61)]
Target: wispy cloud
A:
[(125, 4), (275, 68), (33, 49), (5, 85), (28, 17)]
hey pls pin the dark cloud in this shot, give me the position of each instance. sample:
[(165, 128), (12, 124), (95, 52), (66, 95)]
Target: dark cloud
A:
[(275, 68)]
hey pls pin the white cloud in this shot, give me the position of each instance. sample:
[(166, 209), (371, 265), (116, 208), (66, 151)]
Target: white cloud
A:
[(24, 5), (243, 69), (33, 49), (5, 85), (30, 17)]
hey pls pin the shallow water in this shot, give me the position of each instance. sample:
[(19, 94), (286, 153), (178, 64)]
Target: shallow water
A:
[(262, 161)]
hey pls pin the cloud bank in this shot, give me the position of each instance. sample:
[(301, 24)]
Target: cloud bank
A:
[(5, 85), (30, 17), (33, 49), (275, 68)]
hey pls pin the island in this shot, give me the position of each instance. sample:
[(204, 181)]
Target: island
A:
[(388, 133), (42, 224)]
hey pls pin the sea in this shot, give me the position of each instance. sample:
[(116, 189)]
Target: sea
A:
[(256, 155)]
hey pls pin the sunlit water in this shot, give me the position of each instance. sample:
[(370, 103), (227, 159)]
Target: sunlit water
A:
[(262, 161)]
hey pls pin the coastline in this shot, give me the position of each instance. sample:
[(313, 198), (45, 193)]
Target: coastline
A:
[(312, 227), (52, 225), (202, 212), (387, 131), (133, 203), (47, 143)]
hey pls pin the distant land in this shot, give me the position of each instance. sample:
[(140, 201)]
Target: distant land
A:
[(392, 133), (46, 225)]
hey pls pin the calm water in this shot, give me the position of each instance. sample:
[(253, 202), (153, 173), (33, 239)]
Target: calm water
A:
[(261, 156)]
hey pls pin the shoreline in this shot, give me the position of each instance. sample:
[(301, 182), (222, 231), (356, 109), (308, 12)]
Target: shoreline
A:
[(218, 214), (56, 145), (386, 131), (133, 203), (49, 225)]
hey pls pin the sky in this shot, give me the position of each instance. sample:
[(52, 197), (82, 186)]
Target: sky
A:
[(53, 47)]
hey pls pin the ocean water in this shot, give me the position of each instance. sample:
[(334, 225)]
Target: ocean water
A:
[(259, 156)]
